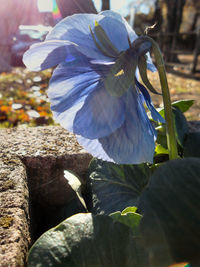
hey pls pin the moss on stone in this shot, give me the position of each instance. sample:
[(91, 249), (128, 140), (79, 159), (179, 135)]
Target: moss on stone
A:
[(6, 221)]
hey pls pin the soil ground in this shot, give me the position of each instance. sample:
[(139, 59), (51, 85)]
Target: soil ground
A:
[(182, 84)]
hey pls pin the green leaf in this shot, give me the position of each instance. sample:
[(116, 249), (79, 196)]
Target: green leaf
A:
[(181, 126), (161, 150), (183, 105), (75, 182), (161, 153), (171, 218), (114, 187), (129, 209), (128, 217), (161, 136), (52, 216), (85, 240), (192, 145)]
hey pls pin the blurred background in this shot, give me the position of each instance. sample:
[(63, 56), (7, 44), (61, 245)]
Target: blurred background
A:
[(177, 23), (174, 24)]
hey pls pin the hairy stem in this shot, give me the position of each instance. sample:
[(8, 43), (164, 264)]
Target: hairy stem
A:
[(170, 129)]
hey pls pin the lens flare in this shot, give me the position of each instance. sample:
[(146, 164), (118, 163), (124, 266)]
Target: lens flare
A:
[(56, 11), (183, 264)]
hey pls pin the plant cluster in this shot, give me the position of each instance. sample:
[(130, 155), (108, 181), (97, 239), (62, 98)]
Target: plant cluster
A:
[(141, 198)]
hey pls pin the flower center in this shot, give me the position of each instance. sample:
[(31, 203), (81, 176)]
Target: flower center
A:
[(121, 75)]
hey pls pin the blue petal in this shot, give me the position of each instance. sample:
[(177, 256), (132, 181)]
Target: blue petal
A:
[(131, 33), (94, 147), (48, 54), (66, 118), (70, 85), (74, 104), (150, 65), (154, 113), (100, 115), (110, 25), (102, 62), (72, 80), (132, 143), (76, 29)]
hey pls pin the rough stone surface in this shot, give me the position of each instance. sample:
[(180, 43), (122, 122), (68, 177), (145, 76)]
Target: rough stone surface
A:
[(45, 151), (38, 142), (14, 215), (32, 184)]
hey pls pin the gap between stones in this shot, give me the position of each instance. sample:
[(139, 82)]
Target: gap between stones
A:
[(51, 199)]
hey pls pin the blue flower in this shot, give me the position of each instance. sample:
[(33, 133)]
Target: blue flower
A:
[(94, 91)]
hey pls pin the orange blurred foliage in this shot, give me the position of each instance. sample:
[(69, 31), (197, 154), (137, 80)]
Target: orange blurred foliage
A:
[(5, 109)]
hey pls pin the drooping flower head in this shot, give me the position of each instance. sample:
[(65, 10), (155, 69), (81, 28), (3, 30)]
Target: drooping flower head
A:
[(94, 90)]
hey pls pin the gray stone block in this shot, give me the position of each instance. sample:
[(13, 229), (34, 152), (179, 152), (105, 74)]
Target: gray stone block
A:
[(14, 214), (32, 183)]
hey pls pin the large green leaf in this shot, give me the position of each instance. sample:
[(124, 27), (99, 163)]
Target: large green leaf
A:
[(85, 240), (171, 212), (128, 217), (115, 187), (181, 127), (191, 146)]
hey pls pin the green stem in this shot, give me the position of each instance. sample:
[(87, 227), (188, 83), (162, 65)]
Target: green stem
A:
[(170, 130)]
